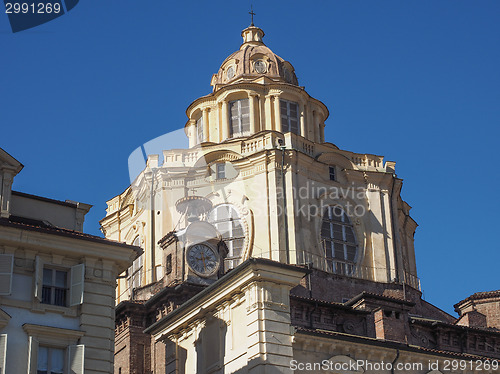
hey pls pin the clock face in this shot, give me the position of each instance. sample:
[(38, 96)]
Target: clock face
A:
[(230, 72), (260, 66), (202, 259)]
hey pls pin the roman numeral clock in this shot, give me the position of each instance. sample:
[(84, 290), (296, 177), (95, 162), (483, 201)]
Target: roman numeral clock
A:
[(196, 253)]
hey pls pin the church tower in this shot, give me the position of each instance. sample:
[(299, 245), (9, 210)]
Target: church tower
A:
[(264, 243), (270, 186)]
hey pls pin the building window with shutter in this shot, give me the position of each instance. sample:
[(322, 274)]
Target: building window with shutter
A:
[(239, 117), (50, 360), (199, 131), (59, 287), (289, 116), (338, 241), (55, 287), (54, 350), (3, 352)]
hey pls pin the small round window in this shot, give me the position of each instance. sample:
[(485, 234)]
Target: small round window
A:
[(260, 66), (230, 72)]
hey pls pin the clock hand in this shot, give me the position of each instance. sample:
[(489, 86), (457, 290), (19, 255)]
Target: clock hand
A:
[(203, 259)]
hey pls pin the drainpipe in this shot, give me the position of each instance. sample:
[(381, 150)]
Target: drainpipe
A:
[(393, 362)]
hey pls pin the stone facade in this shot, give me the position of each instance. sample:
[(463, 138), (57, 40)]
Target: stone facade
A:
[(312, 247), (57, 286)]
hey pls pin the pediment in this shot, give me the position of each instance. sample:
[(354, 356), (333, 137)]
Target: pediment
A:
[(7, 162), (4, 319)]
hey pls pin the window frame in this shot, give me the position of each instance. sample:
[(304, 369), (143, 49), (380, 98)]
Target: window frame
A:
[(55, 337), (332, 172), (239, 117), (6, 273), (231, 259), (200, 136), (341, 266), (220, 170), (3, 352), (50, 351), (52, 287), (76, 281), (136, 270), (287, 119)]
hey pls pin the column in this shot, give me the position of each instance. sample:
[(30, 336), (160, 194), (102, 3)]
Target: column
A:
[(313, 126), (277, 113), (262, 112), (302, 111), (253, 116), (206, 131), (191, 133), (317, 128), (225, 123), (269, 114), (322, 132)]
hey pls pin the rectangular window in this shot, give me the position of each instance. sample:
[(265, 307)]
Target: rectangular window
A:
[(221, 171), (168, 264), (136, 272), (55, 287), (239, 116), (332, 173), (50, 360), (52, 285), (199, 130), (289, 117), (6, 266)]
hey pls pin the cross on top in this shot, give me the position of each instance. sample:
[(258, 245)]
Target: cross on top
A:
[(252, 14)]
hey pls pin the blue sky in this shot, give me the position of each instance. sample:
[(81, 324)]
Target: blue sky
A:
[(415, 81)]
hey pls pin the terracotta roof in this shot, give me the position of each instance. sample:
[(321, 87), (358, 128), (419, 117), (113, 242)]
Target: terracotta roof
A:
[(427, 321), (72, 204), (324, 302), (387, 343), (479, 295), (45, 227), (369, 295)]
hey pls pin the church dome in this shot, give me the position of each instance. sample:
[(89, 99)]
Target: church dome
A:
[(252, 61)]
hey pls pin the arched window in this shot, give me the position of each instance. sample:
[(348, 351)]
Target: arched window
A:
[(289, 116), (136, 270), (227, 221), (239, 116), (338, 241), (200, 137)]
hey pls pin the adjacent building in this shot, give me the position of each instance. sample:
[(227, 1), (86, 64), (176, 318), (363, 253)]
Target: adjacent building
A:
[(268, 248), (57, 284)]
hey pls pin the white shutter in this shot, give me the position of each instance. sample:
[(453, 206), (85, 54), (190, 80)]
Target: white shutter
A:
[(32, 355), (3, 352), (38, 278), (76, 354), (6, 266), (76, 286)]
